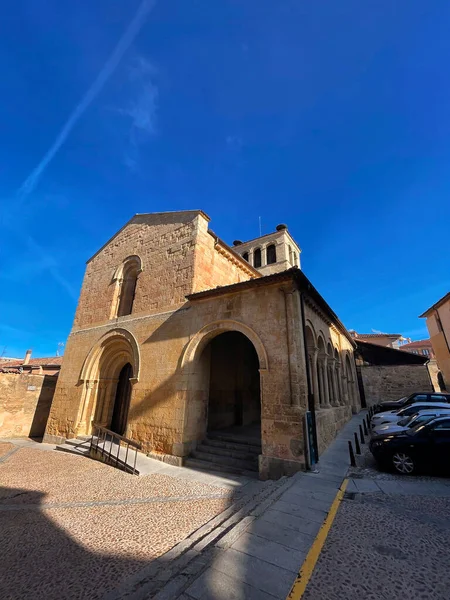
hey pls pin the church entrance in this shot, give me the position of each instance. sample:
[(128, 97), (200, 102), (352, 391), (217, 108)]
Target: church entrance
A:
[(234, 402), (122, 400)]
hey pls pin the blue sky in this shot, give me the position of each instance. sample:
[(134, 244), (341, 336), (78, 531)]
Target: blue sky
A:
[(332, 117)]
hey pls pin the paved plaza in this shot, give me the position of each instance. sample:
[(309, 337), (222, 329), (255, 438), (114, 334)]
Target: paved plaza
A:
[(74, 528)]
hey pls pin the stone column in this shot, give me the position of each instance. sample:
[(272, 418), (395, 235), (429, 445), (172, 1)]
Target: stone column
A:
[(326, 389), (314, 376), (264, 255)]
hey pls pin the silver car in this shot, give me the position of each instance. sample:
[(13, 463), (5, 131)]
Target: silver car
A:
[(405, 423), (393, 416)]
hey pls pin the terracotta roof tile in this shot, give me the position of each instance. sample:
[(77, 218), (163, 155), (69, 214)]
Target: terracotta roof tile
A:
[(35, 362)]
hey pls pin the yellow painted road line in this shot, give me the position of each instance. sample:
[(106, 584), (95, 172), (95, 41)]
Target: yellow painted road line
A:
[(302, 580)]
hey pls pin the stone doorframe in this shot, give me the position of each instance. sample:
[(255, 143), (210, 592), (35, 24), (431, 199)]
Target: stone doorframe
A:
[(195, 381), (99, 376)]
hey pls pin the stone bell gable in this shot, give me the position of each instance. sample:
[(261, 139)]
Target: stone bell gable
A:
[(152, 264)]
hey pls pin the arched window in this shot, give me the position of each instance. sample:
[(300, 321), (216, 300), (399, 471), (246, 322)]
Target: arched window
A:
[(290, 255), (271, 254), (126, 281), (257, 258), (245, 256)]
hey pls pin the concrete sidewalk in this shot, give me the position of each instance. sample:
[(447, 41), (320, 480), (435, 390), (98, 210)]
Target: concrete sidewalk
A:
[(259, 558)]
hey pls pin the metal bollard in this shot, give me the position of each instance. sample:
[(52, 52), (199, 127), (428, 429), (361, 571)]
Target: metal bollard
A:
[(357, 446), (361, 435), (366, 433), (352, 454)]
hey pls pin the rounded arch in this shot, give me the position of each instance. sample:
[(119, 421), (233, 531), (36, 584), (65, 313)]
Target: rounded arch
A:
[(207, 333), (330, 350), (311, 336), (130, 263), (109, 354), (321, 343)]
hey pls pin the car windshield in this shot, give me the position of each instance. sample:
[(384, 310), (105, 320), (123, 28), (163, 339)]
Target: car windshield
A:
[(416, 428), (417, 420)]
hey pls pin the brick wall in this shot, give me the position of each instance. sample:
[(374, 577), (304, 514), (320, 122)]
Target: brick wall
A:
[(392, 382), (25, 402)]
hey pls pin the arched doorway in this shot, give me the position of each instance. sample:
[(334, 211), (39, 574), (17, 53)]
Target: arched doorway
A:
[(108, 375), (234, 384), (122, 400)]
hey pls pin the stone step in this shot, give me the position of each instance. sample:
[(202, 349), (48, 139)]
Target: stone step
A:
[(223, 443), (81, 451), (244, 454), (216, 459), (206, 465)]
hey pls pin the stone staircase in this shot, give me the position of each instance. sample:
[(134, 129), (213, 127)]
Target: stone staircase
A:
[(78, 445), (226, 452)]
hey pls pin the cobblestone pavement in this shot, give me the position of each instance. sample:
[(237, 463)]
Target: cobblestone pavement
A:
[(75, 528), (5, 448), (384, 547), (390, 539)]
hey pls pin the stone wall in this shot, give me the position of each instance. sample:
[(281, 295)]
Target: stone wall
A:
[(392, 382), (329, 421), (25, 402)]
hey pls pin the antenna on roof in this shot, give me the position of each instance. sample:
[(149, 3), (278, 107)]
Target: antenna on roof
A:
[(60, 345), (260, 230)]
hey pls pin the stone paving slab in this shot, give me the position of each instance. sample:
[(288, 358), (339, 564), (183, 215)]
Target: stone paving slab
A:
[(255, 572), (272, 552), (291, 522), (300, 510), (291, 538), (215, 585)]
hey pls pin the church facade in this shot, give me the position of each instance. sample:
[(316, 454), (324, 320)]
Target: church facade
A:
[(177, 334)]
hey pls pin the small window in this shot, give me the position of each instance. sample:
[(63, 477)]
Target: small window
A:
[(257, 258), (271, 254), (442, 425), (245, 256), (438, 398), (425, 352), (290, 256)]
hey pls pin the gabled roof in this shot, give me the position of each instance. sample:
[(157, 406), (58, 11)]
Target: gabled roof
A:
[(416, 344), (53, 361), (293, 274), (134, 217), (375, 335), (435, 306), (383, 355)]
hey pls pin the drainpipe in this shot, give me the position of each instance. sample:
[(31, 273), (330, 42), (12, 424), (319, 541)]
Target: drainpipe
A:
[(311, 403)]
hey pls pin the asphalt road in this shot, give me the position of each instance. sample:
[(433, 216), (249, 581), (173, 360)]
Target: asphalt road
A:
[(386, 546)]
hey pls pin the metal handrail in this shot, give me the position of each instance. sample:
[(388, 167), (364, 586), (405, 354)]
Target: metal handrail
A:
[(116, 435), (101, 435)]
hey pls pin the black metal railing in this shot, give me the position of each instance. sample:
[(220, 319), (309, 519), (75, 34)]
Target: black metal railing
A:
[(113, 449)]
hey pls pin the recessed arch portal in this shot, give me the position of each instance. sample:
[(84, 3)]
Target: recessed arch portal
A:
[(223, 365), (108, 374)]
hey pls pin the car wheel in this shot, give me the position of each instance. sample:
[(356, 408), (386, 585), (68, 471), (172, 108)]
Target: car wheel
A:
[(403, 463)]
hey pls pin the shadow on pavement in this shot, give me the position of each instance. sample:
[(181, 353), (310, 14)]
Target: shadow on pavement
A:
[(38, 559)]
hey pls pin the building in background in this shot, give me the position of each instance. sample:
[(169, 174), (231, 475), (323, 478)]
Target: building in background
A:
[(388, 340), (386, 373), (438, 324), (422, 347), (26, 393)]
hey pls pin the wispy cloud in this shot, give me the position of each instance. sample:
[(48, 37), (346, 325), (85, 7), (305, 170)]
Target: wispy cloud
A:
[(141, 110), (105, 73)]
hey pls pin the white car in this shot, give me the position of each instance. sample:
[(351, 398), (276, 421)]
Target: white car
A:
[(393, 416), (405, 423)]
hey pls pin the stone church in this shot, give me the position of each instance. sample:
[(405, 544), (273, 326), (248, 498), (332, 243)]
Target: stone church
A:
[(179, 338)]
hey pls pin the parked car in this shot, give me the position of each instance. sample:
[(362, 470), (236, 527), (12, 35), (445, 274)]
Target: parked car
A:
[(411, 399), (405, 423), (393, 416), (425, 448)]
